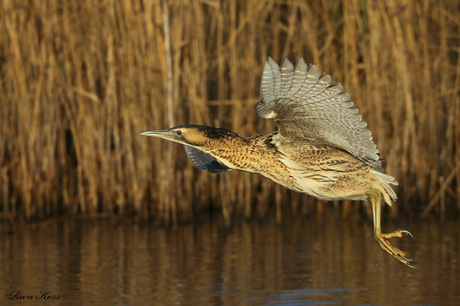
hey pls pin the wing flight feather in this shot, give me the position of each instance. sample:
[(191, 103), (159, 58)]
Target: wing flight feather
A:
[(305, 105)]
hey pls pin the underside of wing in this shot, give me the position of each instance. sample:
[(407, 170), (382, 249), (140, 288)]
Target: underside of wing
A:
[(204, 161), (306, 106)]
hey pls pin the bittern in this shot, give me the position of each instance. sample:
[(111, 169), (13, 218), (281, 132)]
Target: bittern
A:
[(322, 147)]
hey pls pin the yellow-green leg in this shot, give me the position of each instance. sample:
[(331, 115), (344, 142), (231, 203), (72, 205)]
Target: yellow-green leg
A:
[(376, 199)]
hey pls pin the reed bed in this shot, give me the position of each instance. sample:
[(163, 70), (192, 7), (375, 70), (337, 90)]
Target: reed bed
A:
[(79, 80)]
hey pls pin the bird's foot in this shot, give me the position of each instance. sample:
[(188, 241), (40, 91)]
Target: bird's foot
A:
[(382, 239), (397, 234)]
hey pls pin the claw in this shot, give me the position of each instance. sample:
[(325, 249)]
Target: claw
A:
[(376, 198), (400, 255), (407, 233), (397, 234)]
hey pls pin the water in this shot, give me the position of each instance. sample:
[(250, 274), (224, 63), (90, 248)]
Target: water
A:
[(297, 262)]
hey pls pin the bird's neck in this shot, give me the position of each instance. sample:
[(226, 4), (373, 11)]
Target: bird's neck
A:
[(245, 153)]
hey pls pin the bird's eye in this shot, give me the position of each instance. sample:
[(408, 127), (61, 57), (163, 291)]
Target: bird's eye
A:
[(179, 132)]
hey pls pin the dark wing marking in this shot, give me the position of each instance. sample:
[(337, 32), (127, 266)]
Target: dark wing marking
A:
[(204, 161)]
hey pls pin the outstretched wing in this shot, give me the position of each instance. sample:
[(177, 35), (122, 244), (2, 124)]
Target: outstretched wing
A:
[(305, 105)]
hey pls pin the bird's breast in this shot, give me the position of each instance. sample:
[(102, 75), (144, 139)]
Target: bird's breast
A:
[(255, 158)]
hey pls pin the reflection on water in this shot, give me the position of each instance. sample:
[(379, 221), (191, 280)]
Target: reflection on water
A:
[(301, 261)]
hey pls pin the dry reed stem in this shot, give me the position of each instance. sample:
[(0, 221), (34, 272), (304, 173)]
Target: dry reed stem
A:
[(80, 80)]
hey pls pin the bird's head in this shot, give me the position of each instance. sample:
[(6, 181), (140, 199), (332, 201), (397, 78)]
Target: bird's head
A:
[(191, 135), (199, 141)]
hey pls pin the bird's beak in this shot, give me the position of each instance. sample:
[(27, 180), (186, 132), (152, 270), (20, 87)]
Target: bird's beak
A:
[(154, 133), (165, 134)]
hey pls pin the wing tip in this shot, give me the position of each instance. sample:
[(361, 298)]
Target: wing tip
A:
[(271, 62), (286, 63)]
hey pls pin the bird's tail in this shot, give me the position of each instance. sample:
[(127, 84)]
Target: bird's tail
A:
[(385, 180)]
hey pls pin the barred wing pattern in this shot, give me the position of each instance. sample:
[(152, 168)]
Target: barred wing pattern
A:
[(306, 106)]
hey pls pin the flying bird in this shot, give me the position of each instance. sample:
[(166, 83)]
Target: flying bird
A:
[(321, 148)]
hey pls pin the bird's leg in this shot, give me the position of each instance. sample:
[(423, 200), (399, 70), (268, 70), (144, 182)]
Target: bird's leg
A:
[(376, 198)]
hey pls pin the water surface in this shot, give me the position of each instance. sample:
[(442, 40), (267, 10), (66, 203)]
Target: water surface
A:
[(300, 261)]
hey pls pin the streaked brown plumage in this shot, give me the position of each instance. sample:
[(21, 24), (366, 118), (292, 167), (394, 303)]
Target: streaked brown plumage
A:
[(321, 148)]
